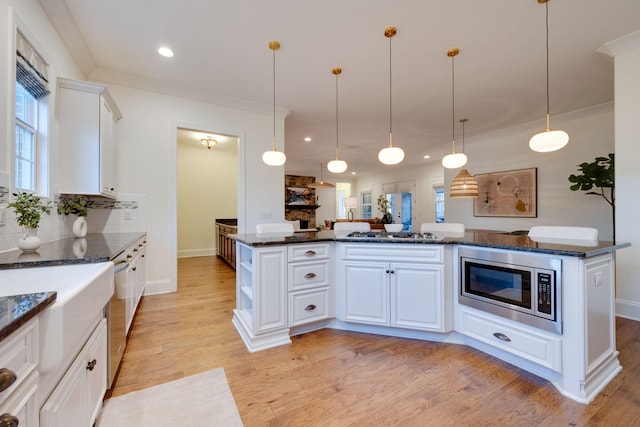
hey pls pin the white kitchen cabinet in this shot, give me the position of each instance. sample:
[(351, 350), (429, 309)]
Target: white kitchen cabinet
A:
[(261, 299), (310, 283), (135, 280), (19, 355), (87, 118), (376, 286), (77, 398)]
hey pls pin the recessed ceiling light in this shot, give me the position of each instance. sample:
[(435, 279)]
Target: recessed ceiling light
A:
[(353, 173), (307, 139), (427, 156), (165, 51)]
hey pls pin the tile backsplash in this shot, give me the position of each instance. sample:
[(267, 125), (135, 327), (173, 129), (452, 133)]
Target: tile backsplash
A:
[(125, 214)]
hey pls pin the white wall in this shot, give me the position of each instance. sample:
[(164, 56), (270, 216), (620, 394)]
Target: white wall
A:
[(626, 52), (591, 134), (207, 189)]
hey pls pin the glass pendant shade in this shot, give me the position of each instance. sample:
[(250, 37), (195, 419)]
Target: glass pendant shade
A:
[(337, 166), (454, 160), (464, 185), (274, 158), (391, 155)]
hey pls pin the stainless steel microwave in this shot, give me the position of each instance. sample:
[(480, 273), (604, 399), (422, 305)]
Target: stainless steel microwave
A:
[(519, 286)]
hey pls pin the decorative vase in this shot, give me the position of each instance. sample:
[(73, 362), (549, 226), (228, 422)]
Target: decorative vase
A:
[(29, 241), (79, 227)]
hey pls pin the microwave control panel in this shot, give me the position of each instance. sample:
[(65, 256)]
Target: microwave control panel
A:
[(545, 293)]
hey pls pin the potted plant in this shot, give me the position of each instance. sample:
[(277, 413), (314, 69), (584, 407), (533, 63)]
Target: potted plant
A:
[(29, 209), (76, 205), (599, 174), (384, 206)]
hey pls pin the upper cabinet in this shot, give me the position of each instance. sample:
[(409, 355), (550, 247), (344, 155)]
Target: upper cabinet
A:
[(87, 117)]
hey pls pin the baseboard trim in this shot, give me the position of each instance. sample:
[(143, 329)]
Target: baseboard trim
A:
[(158, 287), (628, 309), (190, 253)]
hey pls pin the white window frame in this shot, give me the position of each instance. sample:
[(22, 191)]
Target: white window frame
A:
[(42, 133)]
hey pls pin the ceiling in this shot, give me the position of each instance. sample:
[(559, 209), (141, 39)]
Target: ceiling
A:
[(221, 54)]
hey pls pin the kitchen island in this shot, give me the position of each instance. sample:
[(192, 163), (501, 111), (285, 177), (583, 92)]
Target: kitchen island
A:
[(410, 287)]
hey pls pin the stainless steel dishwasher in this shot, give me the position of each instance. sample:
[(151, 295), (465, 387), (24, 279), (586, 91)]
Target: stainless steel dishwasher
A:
[(116, 319)]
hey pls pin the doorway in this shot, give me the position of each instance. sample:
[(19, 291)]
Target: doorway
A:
[(401, 196), (206, 188)]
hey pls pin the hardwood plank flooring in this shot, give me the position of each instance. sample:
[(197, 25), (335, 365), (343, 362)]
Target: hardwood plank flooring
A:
[(338, 378)]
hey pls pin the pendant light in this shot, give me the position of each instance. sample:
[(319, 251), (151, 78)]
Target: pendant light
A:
[(209, 142), (274, 157), (321, 183), (549, 140), (464, 184), (337, 165), (390, 155), (453, 160)]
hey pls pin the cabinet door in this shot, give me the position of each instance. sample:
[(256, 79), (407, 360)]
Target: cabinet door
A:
[(365, 292), (417, 297), (96, 371), (66, 406), (107, 148)]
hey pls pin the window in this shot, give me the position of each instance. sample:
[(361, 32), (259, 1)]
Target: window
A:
[(439, 204), (365, 202), (31, 94)]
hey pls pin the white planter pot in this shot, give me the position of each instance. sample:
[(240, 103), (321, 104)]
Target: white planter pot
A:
[(29, 241), (79, 228)]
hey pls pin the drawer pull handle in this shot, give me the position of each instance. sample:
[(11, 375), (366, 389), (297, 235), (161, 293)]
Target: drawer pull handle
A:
[(310, 253), (8, 420), (7, 378), (310, 275), (310, 307), (501, 336), (91, 365)]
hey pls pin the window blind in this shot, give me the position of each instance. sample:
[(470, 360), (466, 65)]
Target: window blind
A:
[(31, 68)]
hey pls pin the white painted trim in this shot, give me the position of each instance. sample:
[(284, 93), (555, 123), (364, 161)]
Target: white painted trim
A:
[(190, 253), (628, 309), (158, 287), (621, 45)]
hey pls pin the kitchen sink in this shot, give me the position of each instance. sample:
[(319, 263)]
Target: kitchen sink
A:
[(83, 291)]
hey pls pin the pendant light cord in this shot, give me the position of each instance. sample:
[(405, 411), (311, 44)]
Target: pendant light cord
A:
[(547, 49), (453, 104), (390, 98), (336, 116), (274, 100)]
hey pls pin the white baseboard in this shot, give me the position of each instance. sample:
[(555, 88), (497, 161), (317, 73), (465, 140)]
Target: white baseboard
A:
[(190, 253), (628, 309), (158, 287)]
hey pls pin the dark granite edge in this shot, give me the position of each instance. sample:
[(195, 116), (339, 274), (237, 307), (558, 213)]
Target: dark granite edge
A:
[(556, 249), (53, 263), (15, 324)]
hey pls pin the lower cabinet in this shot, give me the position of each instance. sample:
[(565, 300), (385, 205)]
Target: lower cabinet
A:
[(77, 399), (374, 288)]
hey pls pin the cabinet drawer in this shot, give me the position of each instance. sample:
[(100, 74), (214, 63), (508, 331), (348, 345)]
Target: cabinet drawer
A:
[(538, 347), (19, 354), (309, 306), (305, 275), (431, 253), (306, 252)]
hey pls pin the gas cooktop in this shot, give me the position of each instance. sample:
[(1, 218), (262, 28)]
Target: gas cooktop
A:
[(390, 235)]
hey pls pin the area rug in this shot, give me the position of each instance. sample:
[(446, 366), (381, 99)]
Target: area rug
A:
[(201, 400)]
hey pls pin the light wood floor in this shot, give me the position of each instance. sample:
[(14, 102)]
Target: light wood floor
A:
[(336, 378)]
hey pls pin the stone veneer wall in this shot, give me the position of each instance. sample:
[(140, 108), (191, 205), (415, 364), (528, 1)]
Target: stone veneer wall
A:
[(302, 214)]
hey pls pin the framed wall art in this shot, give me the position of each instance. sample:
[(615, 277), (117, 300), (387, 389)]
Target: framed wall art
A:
[(508, 193)]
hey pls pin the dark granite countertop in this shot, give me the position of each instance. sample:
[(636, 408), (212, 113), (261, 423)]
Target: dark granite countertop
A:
[(483, 238), (17, 310), (94, 247)]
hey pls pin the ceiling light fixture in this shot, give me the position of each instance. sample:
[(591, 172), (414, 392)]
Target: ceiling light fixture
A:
[(337, 165), (321, 183), (390, 155), (274, 157), (464, 184), (453, 160), (549, 140), (209, 142), (165, 51)]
